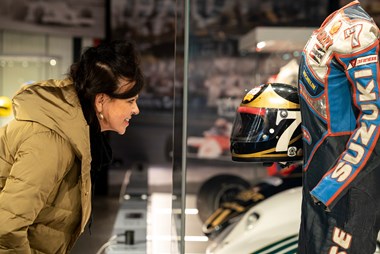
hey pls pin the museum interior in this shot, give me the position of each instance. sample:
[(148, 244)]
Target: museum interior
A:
[(173, 185)]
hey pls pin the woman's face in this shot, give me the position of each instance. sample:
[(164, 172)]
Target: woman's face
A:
[(114, 114), (117, 113)]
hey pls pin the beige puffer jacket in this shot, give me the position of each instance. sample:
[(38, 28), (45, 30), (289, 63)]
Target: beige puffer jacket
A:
[(45, 184)]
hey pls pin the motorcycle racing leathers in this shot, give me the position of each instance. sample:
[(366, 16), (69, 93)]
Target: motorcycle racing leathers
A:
[(339, 91)]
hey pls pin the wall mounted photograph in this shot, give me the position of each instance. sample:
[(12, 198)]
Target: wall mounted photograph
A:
[(84, 18), (216, 66)]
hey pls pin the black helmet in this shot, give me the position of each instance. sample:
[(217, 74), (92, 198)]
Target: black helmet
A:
[(267, 126)]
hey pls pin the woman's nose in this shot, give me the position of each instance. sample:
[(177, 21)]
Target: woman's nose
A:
[(136, 110)]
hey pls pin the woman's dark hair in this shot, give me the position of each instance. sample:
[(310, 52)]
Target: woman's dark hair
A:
[(100, 70)]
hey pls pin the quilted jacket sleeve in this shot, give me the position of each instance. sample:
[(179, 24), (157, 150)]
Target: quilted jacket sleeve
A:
[(39, 163)]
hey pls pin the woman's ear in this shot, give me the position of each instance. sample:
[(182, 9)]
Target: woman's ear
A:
[(99, 100)]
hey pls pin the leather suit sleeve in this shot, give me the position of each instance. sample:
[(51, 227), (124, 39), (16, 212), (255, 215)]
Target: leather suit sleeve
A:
[(362, 71)]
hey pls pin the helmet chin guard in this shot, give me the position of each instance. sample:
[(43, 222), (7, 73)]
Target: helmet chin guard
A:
[(267, 126)]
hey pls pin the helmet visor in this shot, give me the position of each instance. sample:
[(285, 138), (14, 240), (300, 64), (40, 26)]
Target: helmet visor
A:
[(251, 124)]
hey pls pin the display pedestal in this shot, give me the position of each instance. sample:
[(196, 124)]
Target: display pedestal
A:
[(130, 228)]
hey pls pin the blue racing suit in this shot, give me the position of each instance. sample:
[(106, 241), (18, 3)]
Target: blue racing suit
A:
[(339, 95)]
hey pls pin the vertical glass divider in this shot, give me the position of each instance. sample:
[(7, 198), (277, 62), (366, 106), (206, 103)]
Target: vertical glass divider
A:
[(184, 125)]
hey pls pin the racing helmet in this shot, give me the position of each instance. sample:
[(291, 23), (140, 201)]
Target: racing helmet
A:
[(267, 125), (5, 106)]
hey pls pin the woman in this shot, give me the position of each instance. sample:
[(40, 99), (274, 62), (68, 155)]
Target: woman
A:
[(49, 152)]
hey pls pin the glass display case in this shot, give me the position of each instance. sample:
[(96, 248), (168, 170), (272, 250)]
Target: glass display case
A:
[(200, 58), (226, 53)]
